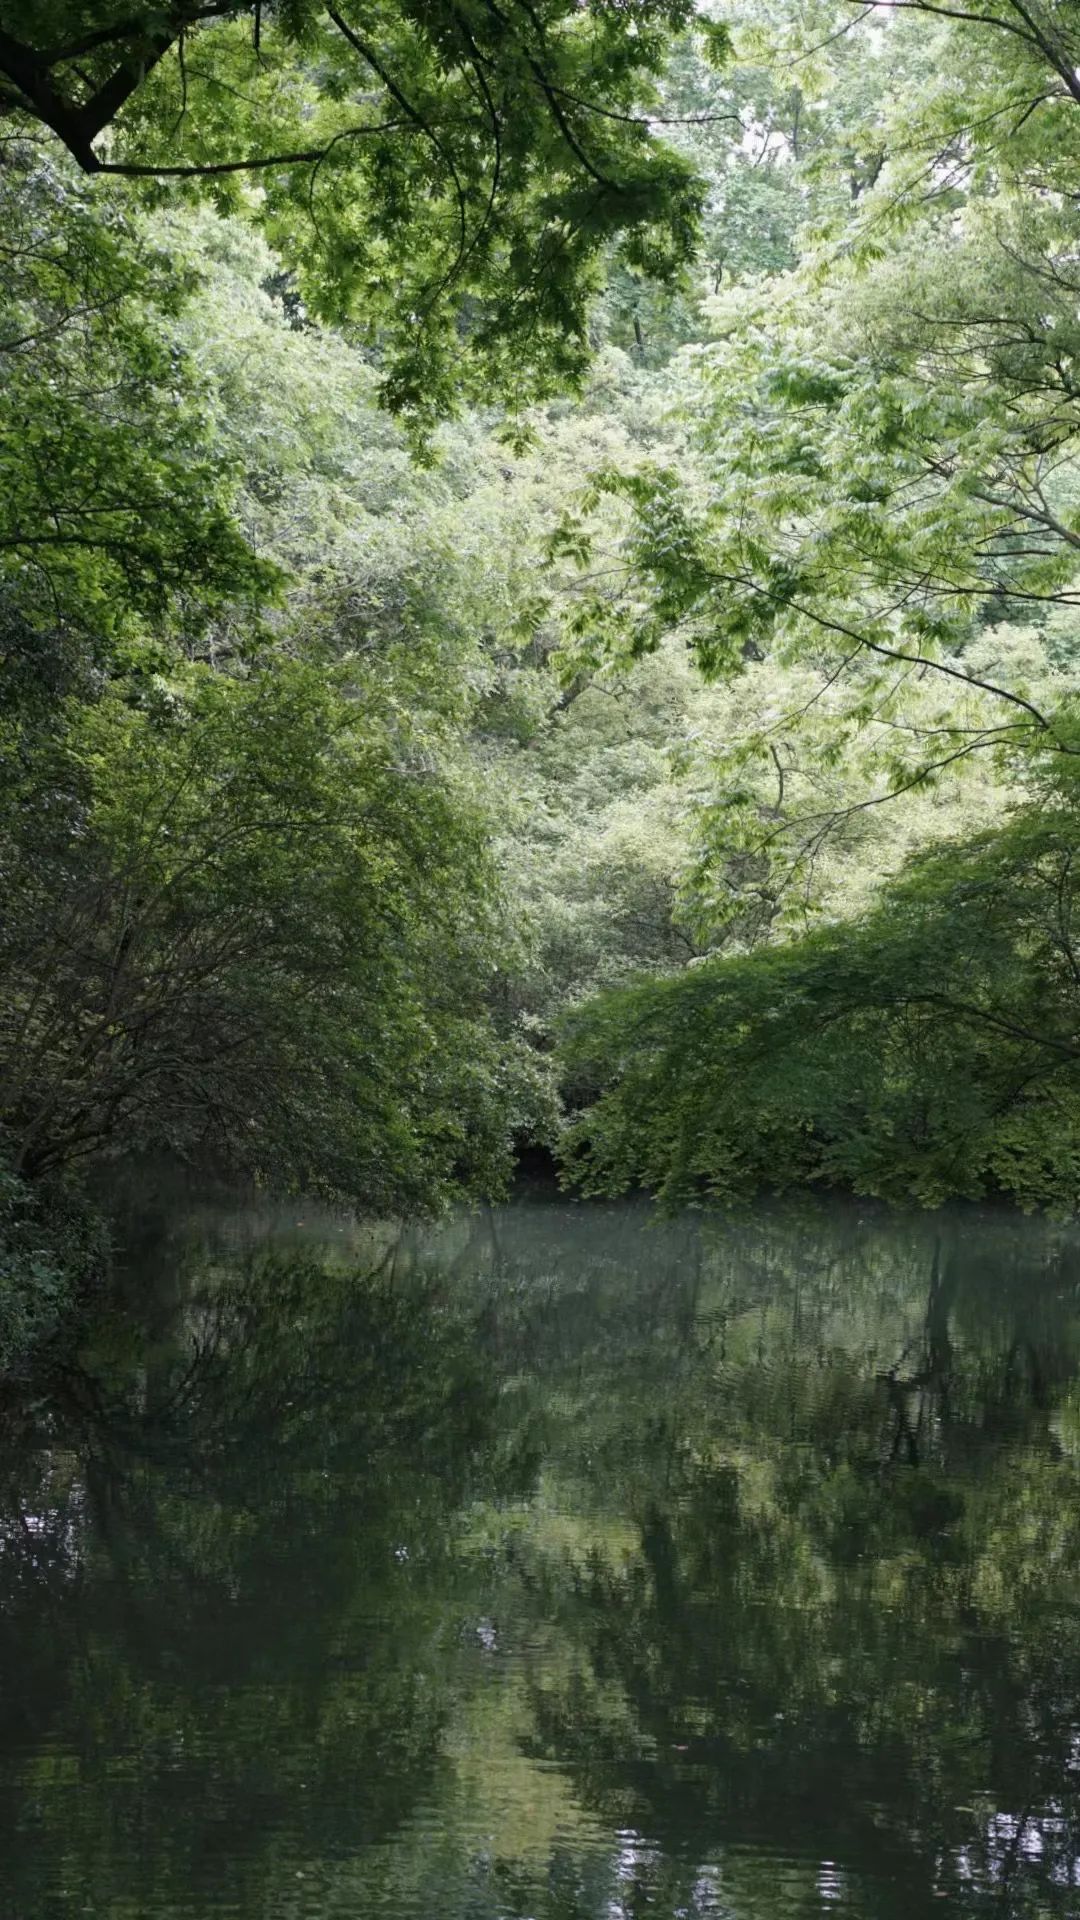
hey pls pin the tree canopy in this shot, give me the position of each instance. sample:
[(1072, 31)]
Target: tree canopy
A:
[(872, 532), (688, 736), (449, 178)]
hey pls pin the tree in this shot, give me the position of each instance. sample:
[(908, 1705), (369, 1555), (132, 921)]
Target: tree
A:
[(449, 177), (224, 800), (115, 500), (886, 438), (253, 918), (873, 546), (926, 1049)]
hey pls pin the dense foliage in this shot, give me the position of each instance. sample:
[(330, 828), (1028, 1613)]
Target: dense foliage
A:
[(710, 677), (929, 1048), (267, 933), (448, 176), (873, 535), (249, 905)]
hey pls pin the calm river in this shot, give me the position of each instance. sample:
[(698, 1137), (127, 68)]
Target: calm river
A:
[(552, 1564)]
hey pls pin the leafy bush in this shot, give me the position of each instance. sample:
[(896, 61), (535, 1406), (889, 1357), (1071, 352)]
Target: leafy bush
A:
[(927, 1049), (51, 1247)]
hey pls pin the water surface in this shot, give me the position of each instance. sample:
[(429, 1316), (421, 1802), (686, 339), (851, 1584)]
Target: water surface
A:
[(555, 1564)]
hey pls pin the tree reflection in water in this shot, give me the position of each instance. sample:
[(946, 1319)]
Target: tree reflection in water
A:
[(552, 1563)]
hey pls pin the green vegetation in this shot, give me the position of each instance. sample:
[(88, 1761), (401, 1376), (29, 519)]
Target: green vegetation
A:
[(871, 540), (448, 177), (538, 557), (927, 1049)]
